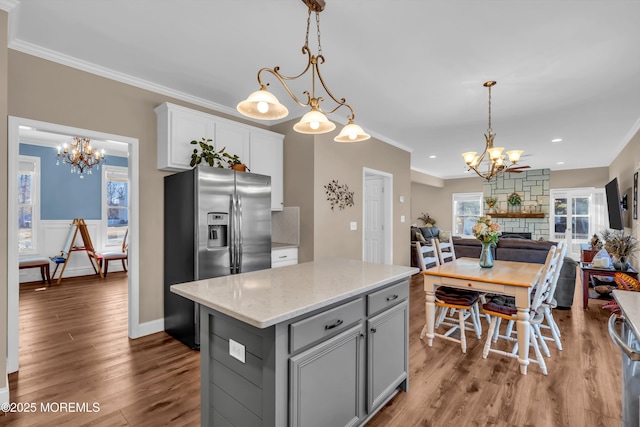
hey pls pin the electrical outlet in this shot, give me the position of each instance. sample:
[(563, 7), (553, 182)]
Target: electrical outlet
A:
[(353, 226), (236, 350), (402, 218)]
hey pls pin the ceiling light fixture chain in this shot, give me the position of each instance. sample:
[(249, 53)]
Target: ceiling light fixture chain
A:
[(497, 162), (261, 104)]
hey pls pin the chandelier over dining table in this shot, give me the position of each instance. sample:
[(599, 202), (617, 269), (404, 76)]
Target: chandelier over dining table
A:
[(262, 104), (80, 155), (497, 162)]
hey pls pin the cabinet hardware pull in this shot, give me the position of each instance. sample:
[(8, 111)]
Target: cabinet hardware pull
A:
[(282, 256), (392, 297), (336, 324), (373, 330)]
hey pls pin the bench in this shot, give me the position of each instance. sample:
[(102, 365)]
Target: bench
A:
[(41, 263)]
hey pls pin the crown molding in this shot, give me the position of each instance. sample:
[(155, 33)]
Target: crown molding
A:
[(8, 5), (70, 61)]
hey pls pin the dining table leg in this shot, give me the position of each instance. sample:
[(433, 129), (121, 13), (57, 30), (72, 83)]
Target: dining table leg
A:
[(430, 310), (523, 326)]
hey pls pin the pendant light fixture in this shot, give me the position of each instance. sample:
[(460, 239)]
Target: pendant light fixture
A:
[(263, 105), (497, 163)]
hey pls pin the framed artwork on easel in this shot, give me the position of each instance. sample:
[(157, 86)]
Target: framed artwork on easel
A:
[(635, 195)]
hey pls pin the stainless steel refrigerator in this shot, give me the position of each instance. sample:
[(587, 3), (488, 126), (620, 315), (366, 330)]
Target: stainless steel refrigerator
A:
[(216, 222)]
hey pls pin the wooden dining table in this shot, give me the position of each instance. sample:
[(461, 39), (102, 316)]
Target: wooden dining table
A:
[(510, 278)]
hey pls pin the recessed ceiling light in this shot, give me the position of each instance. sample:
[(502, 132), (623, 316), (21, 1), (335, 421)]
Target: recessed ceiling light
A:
[(432, 157), (556, 140), (560, 163)]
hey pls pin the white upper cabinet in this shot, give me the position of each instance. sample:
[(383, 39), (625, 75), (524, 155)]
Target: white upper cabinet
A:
[(267, 159), (261, 150), (234, 137), (177, 127)]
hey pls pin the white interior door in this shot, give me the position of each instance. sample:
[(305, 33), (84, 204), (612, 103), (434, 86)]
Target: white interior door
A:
[(377, 239), (576, 215)]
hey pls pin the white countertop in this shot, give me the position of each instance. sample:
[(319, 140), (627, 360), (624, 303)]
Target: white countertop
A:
[(278, 245), (267, 297), (629, 303)]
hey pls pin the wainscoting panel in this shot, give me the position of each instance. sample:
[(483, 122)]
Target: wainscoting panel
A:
[(52, 236)]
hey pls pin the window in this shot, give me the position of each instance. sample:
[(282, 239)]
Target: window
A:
[(115, 204), (467, 207), (28, 206)]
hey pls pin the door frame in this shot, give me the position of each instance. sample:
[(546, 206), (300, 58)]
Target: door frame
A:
[(387, 179), (13, 286), (593, 215)]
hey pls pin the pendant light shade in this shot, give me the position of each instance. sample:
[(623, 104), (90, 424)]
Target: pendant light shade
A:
[(314, 122), (262, 104), (352, 133)]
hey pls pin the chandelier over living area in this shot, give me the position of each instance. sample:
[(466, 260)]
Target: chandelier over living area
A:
[(497, 162), (80, 155), (263, 105)]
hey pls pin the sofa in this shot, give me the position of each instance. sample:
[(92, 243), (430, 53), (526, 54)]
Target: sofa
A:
[(524, 250)]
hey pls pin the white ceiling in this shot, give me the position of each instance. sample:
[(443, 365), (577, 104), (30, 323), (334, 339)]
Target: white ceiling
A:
[(412, 69)]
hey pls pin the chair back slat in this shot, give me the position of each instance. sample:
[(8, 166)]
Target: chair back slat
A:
[(427, 254), (445, 251)]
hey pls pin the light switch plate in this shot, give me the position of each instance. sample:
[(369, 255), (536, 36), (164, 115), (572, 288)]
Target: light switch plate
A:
[(353, 226), (402, 218), (236, 350)]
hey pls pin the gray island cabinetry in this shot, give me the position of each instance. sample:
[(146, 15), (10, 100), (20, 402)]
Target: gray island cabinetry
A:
[(323, 343)]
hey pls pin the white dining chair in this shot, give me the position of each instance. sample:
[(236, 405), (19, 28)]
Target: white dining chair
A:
[(548, 322), (446, 251), (499, 308), (451, 301)]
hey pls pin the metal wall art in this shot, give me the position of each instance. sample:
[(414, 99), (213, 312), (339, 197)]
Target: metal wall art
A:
[(338, 195)]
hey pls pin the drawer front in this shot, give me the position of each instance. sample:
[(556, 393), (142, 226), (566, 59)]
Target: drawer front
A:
[(387, 297), (288, 254), (325, 324), (284, 263)]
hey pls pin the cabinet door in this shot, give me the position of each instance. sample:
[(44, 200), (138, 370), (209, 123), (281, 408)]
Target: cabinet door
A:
[(235, 139), (388, 353), (326, 382), (267, 159), (177, 127)]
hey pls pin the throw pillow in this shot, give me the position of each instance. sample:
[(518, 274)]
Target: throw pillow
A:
[(626, 282), (444, 236), (420, 237)]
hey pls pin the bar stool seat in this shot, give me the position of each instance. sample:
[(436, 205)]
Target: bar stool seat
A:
[(41, 263)]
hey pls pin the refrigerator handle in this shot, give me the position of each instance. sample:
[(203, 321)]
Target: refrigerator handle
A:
[(232, 234), (617, 339), (240, 237)]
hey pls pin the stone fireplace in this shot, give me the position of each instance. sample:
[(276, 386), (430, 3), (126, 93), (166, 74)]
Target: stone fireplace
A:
[(533, 188)]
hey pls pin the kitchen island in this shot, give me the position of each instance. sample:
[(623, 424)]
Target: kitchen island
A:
[(314, 344)]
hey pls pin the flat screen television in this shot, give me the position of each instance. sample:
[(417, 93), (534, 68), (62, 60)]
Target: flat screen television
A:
[(614, 204)]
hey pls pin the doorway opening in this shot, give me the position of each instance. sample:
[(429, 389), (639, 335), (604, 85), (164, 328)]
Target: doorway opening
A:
[(377, 240), (15, 125)]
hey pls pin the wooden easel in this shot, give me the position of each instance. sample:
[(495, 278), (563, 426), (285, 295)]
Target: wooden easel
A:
[(78, 225)]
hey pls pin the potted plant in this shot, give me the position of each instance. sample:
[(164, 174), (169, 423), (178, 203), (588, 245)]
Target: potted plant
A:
[(514, 200), (215, 158), (428, 221), (491, 202), (620, 246), (234, 162)]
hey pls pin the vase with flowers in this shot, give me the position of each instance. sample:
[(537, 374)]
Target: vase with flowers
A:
[(491, 202), (487, 232)]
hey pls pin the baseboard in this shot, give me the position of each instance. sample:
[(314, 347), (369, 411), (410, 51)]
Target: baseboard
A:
[(4, 392), (149, 328)]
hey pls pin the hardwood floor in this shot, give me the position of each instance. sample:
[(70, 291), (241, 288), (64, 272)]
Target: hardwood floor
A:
[(74, 348)]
